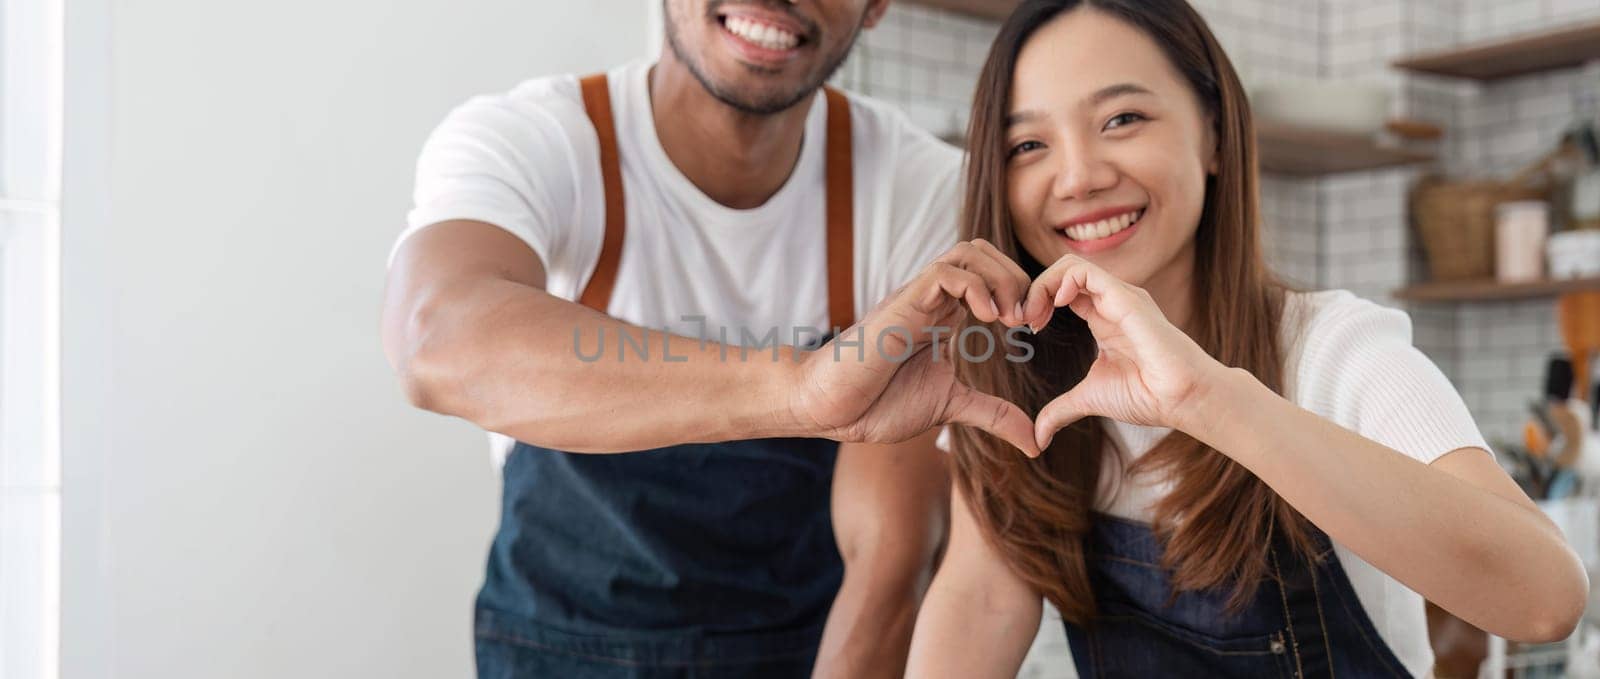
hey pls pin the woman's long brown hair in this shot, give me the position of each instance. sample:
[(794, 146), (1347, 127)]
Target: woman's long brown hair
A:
[(1219, 520)]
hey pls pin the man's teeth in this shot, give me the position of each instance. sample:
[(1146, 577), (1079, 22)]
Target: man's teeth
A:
[(1104, 227), (763, 35)]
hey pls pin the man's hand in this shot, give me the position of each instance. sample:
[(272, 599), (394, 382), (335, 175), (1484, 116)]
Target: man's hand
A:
[(884, 380)]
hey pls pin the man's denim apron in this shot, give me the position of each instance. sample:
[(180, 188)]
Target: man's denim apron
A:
[(710, 560), (1305, 619)]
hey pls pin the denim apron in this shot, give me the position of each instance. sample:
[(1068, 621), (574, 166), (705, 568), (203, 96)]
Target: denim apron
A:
[(1304, 621), (703, 560)]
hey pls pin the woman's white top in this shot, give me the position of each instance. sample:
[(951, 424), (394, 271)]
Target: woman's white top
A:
[(1350, 361)]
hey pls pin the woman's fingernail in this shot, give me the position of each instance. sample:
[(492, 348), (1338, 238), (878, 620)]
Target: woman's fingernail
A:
[(1017, 312), (994, 308), (1061, 296)]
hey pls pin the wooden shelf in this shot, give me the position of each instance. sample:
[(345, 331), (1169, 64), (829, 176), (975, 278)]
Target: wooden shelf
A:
[(995, 10), (1290, 150), (1491, 291), (1517, 55)]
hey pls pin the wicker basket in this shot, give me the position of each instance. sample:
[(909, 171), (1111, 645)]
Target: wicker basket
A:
[(1455, 222), (1455, 219)]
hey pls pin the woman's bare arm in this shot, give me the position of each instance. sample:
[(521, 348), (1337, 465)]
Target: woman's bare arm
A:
[(979, 618)]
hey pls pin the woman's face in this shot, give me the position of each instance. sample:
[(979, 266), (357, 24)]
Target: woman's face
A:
[(1108, 149)]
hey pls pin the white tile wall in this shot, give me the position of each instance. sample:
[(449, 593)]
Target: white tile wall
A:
[(925, 61), (1362, 226), (1347, 231), (1484, 19), (1290, 230)]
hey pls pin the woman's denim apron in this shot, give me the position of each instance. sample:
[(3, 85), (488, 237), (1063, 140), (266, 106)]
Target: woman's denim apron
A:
[(1304, 621), (713, 560)]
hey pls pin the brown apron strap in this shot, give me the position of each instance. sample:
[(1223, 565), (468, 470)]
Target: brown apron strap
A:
[(841, 213), (597, 101), (840, 208)]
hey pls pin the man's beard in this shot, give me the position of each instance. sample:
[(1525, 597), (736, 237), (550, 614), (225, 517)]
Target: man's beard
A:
[(746, 102)]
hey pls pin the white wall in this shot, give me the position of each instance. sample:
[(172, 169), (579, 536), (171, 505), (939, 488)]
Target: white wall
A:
[(246, 492)]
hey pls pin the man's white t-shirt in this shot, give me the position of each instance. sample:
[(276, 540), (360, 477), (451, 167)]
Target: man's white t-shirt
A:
[(528, 161)]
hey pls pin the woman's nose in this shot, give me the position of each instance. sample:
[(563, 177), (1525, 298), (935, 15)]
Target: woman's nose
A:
[(1081, 174)]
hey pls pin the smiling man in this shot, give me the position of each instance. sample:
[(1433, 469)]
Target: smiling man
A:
[(667, 513)]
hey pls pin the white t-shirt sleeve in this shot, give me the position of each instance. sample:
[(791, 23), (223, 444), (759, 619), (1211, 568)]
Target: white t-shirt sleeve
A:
[(921, 178), (505, 160), (932, 200), (1359, 369)]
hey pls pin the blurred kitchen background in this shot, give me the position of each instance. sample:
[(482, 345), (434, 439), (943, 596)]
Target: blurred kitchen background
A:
[(208, 470)]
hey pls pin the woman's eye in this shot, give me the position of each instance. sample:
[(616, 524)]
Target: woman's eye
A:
[(1122, 119), (1023, 147)]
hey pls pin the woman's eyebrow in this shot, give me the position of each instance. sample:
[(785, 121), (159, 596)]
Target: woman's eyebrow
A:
[(1113, 91), (1018, 117), (1099, 97)]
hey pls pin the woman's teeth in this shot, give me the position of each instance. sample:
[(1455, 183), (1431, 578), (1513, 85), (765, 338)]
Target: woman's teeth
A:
[(762, 35), (1104, 227)]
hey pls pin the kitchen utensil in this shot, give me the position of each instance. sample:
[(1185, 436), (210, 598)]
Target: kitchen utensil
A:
[(1558, 379), (1594, 409), (1568, 445), (1580, 329), (1542, 419), (1534, 438)]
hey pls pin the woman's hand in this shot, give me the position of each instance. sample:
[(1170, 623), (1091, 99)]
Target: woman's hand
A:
[(889, 377), (1147, 368)]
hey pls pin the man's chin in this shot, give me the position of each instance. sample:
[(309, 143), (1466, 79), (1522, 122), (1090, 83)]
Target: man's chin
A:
[(752, 88), (759, 95)]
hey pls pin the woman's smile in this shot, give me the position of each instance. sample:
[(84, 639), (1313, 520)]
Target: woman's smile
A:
[(1101, 230)]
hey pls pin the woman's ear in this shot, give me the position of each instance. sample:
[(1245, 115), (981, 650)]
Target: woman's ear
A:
[(875, 11)]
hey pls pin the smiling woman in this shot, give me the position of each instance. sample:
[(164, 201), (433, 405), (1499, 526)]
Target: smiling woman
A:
[(1236, 478)]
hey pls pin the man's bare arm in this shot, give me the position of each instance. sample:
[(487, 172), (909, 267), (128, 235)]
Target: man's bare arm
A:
[(891, 512), (472, 333)]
